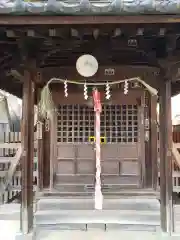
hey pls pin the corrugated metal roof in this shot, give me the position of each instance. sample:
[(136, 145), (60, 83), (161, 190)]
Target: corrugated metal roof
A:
[(10, 111), (4, 114)]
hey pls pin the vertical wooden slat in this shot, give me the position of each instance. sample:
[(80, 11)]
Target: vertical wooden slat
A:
[(53, 146), (46, 160), (148, 161), (28, 151), (153, 140), (166, 158), (40, 149), (55, 163), (141, 140)]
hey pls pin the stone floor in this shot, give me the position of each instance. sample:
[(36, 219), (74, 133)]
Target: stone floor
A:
[(100, 235), (10, 226), (10, 231)]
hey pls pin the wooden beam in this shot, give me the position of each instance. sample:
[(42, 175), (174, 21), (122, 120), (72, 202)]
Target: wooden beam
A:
[(28, 152), (16, 74), (10, 145), (66, 20), (77, 97), (119, 73), (166, 187)]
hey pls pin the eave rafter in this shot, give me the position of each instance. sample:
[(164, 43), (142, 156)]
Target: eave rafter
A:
[(142, 46)]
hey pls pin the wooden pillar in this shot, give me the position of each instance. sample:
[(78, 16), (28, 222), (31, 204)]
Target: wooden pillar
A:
[(166, 158), (28, 153), (53, 147), (153, 140), (40, 145)]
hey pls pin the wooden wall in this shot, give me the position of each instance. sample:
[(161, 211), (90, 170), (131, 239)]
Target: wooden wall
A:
[(176, 136)]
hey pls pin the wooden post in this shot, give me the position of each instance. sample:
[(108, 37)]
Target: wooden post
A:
[(28, 154), (166, 158), (147, 125), (142, 141), (153, 140), (40, 145), (46, 160), (53, 147)]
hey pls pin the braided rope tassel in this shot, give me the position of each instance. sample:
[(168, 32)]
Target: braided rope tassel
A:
[(126, 87), (85, 91), (65, 88), (108, 95)]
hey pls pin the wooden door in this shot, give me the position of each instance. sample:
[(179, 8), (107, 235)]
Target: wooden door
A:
[(120, 160)]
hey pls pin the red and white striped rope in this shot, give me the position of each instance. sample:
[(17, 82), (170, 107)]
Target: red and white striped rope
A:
[(98, 192)]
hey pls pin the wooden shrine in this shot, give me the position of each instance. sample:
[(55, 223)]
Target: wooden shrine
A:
[(35, 49)]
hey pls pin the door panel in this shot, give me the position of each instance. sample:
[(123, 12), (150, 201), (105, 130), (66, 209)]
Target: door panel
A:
[(85, 151), (119, 151), (129, 168), (66, 151), (66, 166), (119, 155), (110, 167), (85, 167)]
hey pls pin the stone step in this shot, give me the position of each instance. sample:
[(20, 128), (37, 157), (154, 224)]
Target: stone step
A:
[(81, 188), (90, 179), (126, 213), (115, 194), (71, 178), (108, 227), (96, 217), (135, 204)]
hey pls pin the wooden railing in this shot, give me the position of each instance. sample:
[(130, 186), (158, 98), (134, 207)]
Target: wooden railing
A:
[(10, 168), (176, 166), (176, 155)]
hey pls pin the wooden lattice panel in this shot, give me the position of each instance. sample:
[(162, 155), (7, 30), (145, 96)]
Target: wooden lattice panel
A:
[(119, 123)]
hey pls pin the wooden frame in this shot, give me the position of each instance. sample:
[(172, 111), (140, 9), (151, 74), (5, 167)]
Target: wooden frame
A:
[(57, 20), (135, 96)]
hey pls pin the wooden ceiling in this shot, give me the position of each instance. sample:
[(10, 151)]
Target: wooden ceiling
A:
[(53, 46)]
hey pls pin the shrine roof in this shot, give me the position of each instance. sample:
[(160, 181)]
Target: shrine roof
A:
[(89, 7)]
